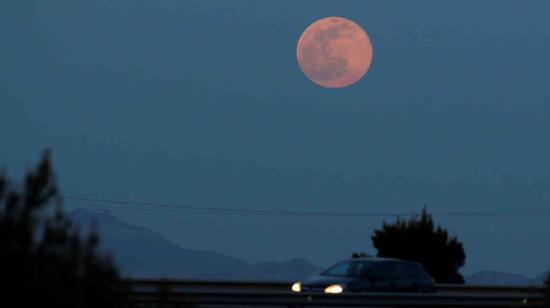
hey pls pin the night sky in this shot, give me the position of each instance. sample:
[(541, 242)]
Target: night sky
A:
[(202, 103)]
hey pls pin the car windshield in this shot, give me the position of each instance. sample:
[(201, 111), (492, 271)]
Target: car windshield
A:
[(349, 269)]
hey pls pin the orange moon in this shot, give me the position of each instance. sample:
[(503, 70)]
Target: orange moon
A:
[(334, 52)]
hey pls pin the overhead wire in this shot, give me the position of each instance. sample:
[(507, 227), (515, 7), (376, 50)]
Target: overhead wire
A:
[(288, 213)]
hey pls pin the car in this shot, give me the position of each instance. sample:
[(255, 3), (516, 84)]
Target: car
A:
[(368, 274)]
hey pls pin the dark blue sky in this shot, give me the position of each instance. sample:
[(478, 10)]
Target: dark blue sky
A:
[(202, 103)]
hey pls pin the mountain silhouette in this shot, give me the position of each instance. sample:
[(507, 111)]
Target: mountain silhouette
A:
[(504, 279), (496, 278), (142, 253), (539, 279)]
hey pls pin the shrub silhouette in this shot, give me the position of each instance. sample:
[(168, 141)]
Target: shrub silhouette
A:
[(417, 239), (43, 259)]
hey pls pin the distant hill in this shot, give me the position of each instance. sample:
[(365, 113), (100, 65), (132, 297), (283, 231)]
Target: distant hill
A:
[(143, 253), (539, 280), (294, 269), (504, 279), (496, 278)]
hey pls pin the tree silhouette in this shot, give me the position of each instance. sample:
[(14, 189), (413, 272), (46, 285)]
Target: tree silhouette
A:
[(417, 239), (43, 259)]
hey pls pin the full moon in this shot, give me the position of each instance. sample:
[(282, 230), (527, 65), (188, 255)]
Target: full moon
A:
[(334, 52)]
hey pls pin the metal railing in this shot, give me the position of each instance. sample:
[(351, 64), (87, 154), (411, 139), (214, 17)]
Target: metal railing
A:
[(207, 293)]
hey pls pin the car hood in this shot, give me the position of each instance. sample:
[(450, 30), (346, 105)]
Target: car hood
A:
[(325, 281)]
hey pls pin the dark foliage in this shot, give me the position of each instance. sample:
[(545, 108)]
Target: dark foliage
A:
[(43, 260), (417, 239)]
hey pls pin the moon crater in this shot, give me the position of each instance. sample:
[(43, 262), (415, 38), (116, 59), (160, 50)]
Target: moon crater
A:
[(334, 52)]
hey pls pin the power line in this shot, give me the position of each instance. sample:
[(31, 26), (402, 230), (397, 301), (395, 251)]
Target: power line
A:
[(234, 211), (286, 213)]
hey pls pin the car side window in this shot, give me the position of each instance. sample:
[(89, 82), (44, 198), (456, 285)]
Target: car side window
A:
[(415, 272), (359, 269), (383, 271), (397, 271), (409, 271), (348, 268)]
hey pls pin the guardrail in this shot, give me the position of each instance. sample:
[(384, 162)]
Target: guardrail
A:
[(202, 293)]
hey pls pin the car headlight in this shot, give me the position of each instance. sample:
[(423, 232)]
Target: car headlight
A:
[(334, 289), (297, 287)]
